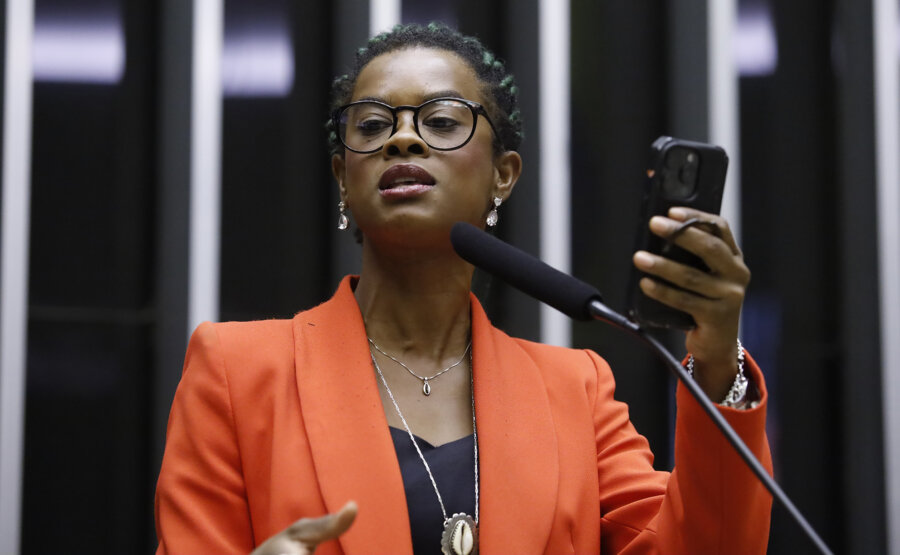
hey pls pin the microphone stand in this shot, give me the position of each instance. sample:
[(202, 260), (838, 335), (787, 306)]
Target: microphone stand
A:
[(600, 311)]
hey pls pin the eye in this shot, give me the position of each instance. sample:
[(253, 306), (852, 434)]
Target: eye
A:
[(445, 117), (441, 122), (372, 125)]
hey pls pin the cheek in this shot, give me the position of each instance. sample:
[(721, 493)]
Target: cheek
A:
[(356, 171), (477, 167)]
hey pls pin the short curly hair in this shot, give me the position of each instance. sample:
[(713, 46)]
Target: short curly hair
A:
[(499, 87)]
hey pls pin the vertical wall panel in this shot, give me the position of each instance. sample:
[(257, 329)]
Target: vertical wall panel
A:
[(16, 183), (173, 200), (886, 21), (517, 313), (688, 72), (351, 24), (90, 285), (723, 101), (555, 141), (383, 15), (788, 144), (809, 239), (16, 159), (703, 85), (206, 161), (857, 245), (619, 106), (276, 215)]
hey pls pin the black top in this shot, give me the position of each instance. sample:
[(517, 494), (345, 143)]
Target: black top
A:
[(453, 467)]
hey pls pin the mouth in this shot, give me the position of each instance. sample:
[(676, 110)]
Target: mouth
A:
[(405, 176)]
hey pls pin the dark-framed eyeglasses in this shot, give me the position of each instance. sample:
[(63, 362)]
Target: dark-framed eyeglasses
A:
[(443, 123)]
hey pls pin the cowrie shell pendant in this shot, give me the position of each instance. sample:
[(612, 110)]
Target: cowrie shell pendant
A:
[(460, 535)]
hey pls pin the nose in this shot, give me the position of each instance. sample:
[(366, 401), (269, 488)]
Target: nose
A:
[(405, 140)]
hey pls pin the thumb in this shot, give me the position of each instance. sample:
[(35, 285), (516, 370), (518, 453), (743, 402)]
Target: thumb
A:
[(313, 531)]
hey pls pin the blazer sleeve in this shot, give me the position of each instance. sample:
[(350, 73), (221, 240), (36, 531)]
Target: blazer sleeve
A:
[(710, 503), (201, 503)]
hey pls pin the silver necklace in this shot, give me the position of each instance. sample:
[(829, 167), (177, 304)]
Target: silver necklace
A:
[(460, 535), (426, 387)]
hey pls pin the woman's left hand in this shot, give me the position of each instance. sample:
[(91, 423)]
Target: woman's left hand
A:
[(714, 299)]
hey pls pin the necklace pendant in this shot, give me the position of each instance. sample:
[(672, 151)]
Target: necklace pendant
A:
[(426, 389), (460, 535)]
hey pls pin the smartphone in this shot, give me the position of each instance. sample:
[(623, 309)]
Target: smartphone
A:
[(682, 173)]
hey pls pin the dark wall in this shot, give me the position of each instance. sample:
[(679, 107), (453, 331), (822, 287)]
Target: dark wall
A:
[(276, 179), (789, 197), (809, 236), (618, 108), (91, 305)]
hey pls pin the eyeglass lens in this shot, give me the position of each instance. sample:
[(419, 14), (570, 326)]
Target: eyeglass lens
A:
[(442, 124)]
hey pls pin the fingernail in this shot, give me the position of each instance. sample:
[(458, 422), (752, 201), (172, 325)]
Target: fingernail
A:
[(643, 259), (678, 213)]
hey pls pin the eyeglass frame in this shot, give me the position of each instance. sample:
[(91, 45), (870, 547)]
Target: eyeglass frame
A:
[(476, 109)]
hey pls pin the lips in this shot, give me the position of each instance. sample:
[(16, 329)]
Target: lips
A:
[(404, 175)]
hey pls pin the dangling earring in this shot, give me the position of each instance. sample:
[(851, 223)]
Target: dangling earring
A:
[(343, 222), (493, 217)]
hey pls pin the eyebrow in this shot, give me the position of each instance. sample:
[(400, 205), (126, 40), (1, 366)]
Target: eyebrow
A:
[(430, 96)]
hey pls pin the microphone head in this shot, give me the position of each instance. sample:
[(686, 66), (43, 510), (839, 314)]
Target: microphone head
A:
[(523, 271)]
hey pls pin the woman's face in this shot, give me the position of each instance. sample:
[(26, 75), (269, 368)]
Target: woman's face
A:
[(407, 191)]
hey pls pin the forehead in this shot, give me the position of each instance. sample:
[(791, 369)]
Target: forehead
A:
[(413, 75)]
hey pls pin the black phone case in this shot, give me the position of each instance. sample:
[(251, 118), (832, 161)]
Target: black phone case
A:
[(666, 187)]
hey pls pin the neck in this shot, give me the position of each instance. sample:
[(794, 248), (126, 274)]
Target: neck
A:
[(415, 305)]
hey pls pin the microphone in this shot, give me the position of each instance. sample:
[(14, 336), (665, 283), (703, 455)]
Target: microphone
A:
[(523, 271)]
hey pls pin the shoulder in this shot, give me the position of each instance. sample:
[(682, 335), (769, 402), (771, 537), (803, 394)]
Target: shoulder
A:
[(567, 366), (255, 335), (241, 348), (566, 357), (260, 347)]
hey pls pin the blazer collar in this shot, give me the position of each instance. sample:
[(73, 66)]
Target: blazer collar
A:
[(354, 455)]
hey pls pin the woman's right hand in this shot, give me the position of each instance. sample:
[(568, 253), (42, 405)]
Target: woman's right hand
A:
[(302, 537)]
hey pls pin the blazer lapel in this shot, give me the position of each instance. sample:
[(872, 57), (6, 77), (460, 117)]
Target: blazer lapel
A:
[(348, 434), (517, 444)]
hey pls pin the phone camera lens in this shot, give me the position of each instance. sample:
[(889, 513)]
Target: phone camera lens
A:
[(680, 181), (688, 175)]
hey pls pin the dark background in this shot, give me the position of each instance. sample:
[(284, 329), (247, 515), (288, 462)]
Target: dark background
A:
[(107, 305)]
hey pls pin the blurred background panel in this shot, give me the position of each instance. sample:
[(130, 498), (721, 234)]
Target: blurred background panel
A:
[(124, 202), (790, 197), (91, 301), (276, 177), (619, 107)]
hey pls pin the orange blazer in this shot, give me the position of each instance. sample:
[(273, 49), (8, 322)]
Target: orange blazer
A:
[(281, 419)]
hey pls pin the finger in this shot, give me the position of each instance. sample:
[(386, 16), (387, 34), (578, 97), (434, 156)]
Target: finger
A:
[(685, 277), (313, 531), (701, 308), (684, 213), (714, 251)]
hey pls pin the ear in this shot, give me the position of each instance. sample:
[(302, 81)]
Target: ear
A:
[(338, 168), (507, 169)]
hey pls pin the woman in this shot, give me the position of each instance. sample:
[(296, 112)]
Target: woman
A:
[(398, 393)]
